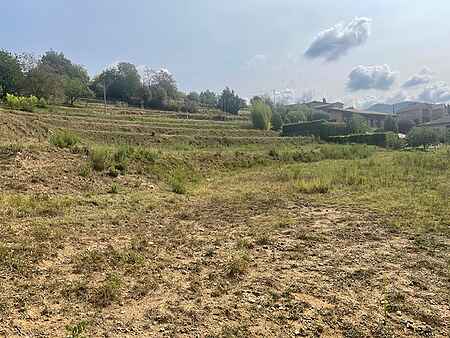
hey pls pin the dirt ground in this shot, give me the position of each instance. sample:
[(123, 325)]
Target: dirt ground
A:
[(234, 258)]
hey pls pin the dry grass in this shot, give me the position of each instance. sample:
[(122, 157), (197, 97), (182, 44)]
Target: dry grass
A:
[(248, 240)]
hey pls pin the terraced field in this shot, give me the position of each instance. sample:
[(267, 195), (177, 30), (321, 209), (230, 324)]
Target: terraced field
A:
[(159, 224)]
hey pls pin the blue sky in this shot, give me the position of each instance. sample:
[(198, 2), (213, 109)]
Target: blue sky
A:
[(254, 46)]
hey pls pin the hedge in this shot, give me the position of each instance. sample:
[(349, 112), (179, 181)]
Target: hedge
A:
[(387, 140), (320, 128)]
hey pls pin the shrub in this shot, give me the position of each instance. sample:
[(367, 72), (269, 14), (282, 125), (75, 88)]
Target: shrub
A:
[(108, 292), (313, 186), (177, 184), (423, 136), (321, 128), (261, 115), (357, 125), (114, 189), (64, 139), (22, 102), (120, 158), (237, 266), (145, 155), (42, 103), (391, 124), (85, 171), (28, 103), (376, 139), (277, 121), (99, 157), (12, 101)]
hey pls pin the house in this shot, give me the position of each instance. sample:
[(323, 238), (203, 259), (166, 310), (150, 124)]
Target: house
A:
[(442, 123), (423, 112), (374, 119)]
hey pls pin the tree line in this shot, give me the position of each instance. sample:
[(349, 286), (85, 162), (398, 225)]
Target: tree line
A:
[(55, 78)]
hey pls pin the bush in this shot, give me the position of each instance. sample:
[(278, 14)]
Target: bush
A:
[(42, 103), (322, 129), (277, 121), (357, 125), (261, 115), (313, 186), (64, 139), (99, 157), (423, 136), (177, 185), (376, 139), (22, 102), (391, 124), (12, 101), (120, 159)]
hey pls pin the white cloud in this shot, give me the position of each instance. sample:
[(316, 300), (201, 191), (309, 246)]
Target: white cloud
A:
[(285, 96), (425, 76), (257, 60), (371, 77), (366, 102), (397, 97), (438, 92), (335, 42)]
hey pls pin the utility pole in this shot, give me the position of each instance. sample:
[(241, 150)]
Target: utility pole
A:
[(104, 96)]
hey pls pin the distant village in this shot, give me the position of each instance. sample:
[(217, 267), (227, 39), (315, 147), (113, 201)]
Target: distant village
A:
[(422, 114)]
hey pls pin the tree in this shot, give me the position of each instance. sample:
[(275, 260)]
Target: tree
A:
[(230, 102), (261, 115), (43, 82), (54, 76), (391, 124), (208, 98), (357, 125), (405, 126), (74, 89), (277, 120), (194, 97), (422, 136), (264, 98), (10, 74), (122, 82)]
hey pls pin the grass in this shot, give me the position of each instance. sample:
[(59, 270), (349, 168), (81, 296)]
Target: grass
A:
[(270, 231), (313, 186), (108, 292), (64, 139)]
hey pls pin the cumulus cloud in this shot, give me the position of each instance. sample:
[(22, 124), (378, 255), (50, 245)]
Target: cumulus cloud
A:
[(335, 42), (285, 96), (398, 97), (371, 77), (425, 76), (435, 93)]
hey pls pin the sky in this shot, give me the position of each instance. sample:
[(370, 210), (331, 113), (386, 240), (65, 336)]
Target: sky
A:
[(358, 52)]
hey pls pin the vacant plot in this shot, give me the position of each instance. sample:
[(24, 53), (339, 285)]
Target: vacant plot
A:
[(130, 234)]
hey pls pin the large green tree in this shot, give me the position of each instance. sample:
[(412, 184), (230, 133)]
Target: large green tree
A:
[(122, 82), (230, 102), (208, 98), (54, 76), (10, 73)]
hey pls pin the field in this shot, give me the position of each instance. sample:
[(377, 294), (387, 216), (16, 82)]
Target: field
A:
[(156, 224)]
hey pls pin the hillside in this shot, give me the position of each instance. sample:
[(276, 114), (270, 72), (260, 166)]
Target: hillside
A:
[(389, 108), (159, 224)]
